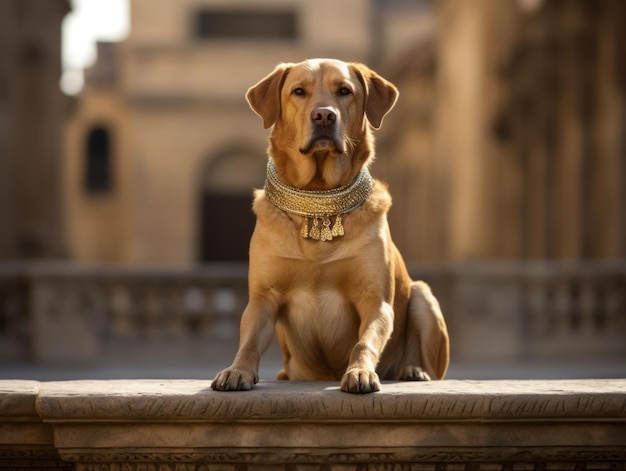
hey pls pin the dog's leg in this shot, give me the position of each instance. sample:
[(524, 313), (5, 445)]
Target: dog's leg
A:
[(256, 332), (427, 346), (284, 349), (376, 326)]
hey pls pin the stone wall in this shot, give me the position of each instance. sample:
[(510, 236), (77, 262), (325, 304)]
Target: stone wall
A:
[(184, 426)]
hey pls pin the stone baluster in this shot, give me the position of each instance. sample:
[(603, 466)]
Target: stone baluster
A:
[(93, 304), (14, 328), (562, 309), (614, 305), (152, 313), (175, 325), (62, 331), (588, 309), (121, 312), (195, 311), (537, 324), (225, 308), (613, 318)]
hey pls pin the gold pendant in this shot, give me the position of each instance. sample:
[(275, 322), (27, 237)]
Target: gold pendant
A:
[(319, 228), (315, 229), (326, 233), (338, 227), (304, 231)]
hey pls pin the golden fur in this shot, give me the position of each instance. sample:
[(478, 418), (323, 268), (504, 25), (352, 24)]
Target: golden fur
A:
[(344, 309)]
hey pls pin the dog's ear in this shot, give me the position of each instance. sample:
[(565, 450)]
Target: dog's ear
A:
[(264, 97), (380, 94)]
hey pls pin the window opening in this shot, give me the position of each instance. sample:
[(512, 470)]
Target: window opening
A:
[(98, 175)]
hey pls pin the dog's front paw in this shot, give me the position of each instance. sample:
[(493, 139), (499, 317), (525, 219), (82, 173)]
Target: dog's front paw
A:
[(413, 373), (360, 381), (234, 379)]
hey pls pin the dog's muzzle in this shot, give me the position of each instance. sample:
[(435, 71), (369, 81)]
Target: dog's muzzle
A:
[(324, 131)]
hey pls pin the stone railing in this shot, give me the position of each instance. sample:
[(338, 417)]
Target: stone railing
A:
[(185, 426), (510, 311), (65, 312), (533, 310)]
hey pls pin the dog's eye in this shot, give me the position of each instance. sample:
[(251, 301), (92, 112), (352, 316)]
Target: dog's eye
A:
[(298, 91), (344, 91)]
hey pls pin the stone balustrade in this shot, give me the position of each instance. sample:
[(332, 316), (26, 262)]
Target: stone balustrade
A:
[(64, 312), (149, 425)]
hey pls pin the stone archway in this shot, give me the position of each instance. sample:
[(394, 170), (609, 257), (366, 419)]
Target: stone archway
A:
[(226, 218)]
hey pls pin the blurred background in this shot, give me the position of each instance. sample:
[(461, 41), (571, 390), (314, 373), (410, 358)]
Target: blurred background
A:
[(126, 171)]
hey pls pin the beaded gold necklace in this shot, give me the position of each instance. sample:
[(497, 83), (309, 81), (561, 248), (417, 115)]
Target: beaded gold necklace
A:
[(317, 207)]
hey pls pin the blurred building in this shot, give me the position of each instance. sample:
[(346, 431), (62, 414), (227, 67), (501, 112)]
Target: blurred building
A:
[(32, 109), (507, 142), (509, 139), (163, 151)]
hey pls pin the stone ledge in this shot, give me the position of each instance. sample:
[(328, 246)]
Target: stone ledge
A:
[(184, 425)]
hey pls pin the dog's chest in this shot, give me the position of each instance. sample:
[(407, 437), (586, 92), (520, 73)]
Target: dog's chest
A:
[(322, 315)]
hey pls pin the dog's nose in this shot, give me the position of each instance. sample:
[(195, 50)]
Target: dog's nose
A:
[(323, 116)]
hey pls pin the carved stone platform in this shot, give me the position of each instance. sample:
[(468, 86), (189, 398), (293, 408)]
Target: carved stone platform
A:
[(184, 425)]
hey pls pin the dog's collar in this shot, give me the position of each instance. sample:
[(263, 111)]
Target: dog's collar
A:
[(318, 206)]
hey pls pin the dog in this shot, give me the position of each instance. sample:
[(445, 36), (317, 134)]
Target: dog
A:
[(324, 274)]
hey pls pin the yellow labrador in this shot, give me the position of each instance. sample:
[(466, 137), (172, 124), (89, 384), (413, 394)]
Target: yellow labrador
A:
[(324, 272)]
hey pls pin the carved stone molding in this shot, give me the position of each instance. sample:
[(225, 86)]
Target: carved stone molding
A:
[(316, 401), (437, 426)]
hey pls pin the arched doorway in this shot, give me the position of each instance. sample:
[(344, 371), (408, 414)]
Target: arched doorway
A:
[(226, 217)]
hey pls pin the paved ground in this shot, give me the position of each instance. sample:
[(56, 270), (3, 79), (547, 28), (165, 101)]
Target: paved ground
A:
[(163, 364), (475, 371)]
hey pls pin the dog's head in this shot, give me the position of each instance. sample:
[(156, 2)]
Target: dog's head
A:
[(321, 111)]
